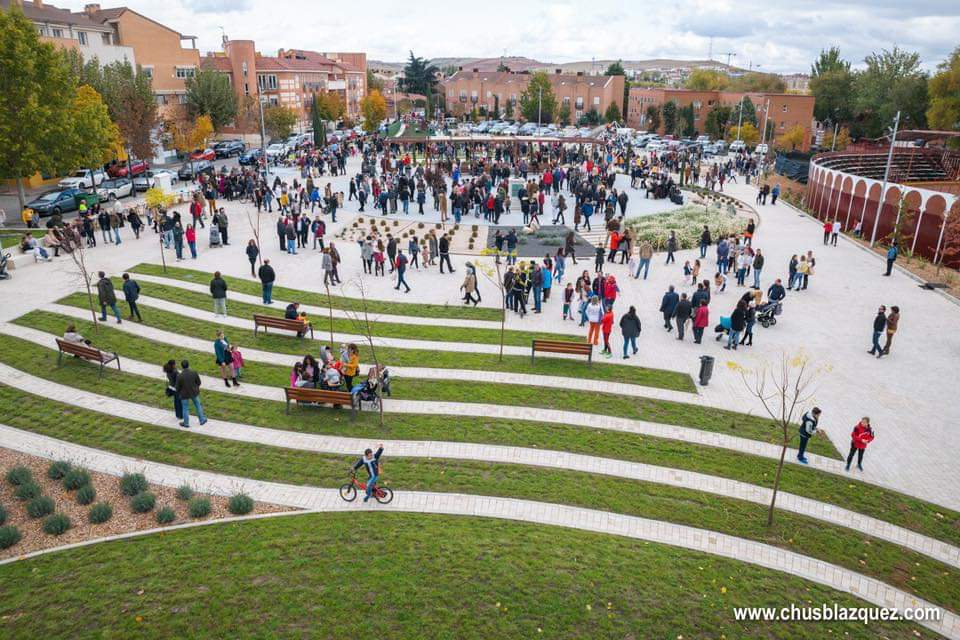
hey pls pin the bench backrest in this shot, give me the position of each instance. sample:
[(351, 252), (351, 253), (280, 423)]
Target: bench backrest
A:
[(318, 395), (82, 350), (562, 346), (280, 323)]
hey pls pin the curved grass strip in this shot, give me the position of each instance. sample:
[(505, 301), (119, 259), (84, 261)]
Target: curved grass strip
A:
[(601, 404), (928, 579), (320, 299), (458, 577)]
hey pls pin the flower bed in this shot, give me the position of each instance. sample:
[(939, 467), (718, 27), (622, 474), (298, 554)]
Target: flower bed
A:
[(688, 222)]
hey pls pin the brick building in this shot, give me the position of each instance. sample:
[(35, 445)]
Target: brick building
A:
[(292, 76), (785, 110), (465, 90)]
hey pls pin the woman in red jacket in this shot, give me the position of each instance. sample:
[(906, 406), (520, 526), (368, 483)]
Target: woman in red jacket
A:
[(191, 235), (606, 326), (862, 436), (701, 320)]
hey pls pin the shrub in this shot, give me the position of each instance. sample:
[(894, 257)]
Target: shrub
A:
[(9, 536), (41, 506), (58, 469), (75, 479), (28, 491), (100, 513), (184, 492), (3, 514), (240, 504), (133, 483), (19, 475), (56, 524), (199, 507), (166, 515), (420, 225), (143, 502), (86, 494)]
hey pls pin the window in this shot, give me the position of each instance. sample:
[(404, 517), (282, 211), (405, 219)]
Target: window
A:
[(266, 81), (473, 96), (186, 72), (243, 68), (82, 37), (161, 99), (697, 104), (579, 104), (147, 71), (58, 33), (41, 31), (596, 101), (106, 38), (182, 98), (785, 109), (463, 95), (566, 101)]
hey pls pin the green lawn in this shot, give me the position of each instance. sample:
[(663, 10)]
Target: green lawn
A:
[(861, 497), (913, 572), (11, 238), (320, 299), (393, 575), (401, 357), (600, 404)]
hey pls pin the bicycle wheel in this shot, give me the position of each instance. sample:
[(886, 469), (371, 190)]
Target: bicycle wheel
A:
[(384, 495), (348, 492)]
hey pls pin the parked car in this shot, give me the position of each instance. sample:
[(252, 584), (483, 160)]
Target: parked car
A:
[(118, 169), (115, 189), (191, 170), (54, 202), (229, 148), (83, 179), (278, 149), (204, 154), (148, 179), (737, 145), (761, 149), (249, 157)]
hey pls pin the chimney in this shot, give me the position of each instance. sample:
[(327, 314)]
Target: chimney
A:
[(91, 9)]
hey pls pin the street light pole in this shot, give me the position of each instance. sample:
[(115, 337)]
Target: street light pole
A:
[(263, 143), (886, 177), (833, 143), (539, 107), (740, 118)]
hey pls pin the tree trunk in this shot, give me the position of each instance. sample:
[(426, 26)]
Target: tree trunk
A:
[(330, 307), (776, 483), (163, 257), (21, 194), (93, 312)]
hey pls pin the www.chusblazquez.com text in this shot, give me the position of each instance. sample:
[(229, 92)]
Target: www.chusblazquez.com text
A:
[(836, 613)]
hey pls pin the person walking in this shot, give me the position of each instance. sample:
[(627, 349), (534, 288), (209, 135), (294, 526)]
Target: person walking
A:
[(758, 260), (672, 246), (808, 428), (468, 287), (131, 291), (267, 276), (170, 369), (444, 247), (594, 314), (188, 388), (191, 236), (218, 290), (893, 320), (252, 253), (682, 313), (401, 270), (701, 320), (606, 327), (879, 325), (892, 254), (705, 241), (646, 254), (668, 305), (630, 328), (107, 297), (862, 436)]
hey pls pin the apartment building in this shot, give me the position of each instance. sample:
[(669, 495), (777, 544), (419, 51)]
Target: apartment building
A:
[(75, 31), (783, 110), (293, 76), (465, 90)]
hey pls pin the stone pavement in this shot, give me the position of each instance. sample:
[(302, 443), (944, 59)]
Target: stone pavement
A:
[(500, 454), (317, 499), (909, 395)]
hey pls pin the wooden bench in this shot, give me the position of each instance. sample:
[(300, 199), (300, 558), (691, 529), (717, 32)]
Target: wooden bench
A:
[(87, 353), (562, 346), (297, 326), (319, 396)]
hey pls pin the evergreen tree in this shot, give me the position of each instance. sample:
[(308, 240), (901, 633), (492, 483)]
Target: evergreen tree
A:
[(209, 94), (538, 99)]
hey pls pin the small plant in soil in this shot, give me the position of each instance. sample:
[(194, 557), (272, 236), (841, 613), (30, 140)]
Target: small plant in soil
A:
[(184, 492), (86, 494), (58, 469), (56, 524), (100, 513), (75, 479), (240, 504), (28, 491), (199, 507), (143, 502), (19, 475), (39, 507), (166, 515), (9, 536), (133, 483)]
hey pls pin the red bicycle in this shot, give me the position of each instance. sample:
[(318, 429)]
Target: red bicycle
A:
[(348, 492)]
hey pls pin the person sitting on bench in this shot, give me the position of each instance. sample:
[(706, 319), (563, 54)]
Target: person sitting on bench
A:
[(71, 335)]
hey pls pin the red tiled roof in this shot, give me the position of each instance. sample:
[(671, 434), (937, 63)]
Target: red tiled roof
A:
[(46, 13), (217, 63)]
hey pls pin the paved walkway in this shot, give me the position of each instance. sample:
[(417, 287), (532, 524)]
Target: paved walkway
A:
[(499, 454), (316, 499), (510, 412)]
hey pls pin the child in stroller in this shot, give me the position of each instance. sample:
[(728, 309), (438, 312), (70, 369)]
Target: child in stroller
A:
[(367, 390), (767, 313)]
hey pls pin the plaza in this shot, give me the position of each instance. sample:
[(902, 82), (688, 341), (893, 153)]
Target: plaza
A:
[(196, 464)]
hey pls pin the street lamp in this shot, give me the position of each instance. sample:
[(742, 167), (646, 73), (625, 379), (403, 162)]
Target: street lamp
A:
[(539, 107), (263, 144), (886, 177)]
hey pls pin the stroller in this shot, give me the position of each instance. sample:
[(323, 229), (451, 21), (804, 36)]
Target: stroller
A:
[(4, 274), (723, 329), (367, 391), (215, 236), (767, 313)]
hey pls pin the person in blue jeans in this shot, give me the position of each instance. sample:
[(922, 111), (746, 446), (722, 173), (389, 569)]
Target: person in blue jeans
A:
[(879, 326), (267, 276), (371, 461), (188, 388), (107, 297), (630, 327)]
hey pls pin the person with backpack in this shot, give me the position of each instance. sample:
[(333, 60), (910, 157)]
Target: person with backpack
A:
[(808, 428)]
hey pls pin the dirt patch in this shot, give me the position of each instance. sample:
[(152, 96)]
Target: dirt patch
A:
[(124, 520)]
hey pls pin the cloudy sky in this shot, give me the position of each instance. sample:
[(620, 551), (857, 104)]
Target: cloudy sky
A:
[(781, 36)]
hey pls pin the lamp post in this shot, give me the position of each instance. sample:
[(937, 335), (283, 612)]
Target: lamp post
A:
[(740, 118), (263, 143), (886, 177), (539, 107)]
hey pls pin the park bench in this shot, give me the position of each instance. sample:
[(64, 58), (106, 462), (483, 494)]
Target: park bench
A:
[(297, 326), (562, 346), (319, 396), (87, 353)]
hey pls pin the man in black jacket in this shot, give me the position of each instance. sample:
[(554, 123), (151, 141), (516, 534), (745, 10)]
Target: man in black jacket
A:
[(267, 275), (738, 322), (879, 325), (668, 305), (131, 291), (682, 313), (776, 292), (444, 247), (392, 253), (107, 297), (188, 388)]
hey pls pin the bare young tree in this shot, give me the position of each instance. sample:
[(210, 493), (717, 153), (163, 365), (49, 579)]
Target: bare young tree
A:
[(254, 221), (74, 246), (782, 389), (359, 315)]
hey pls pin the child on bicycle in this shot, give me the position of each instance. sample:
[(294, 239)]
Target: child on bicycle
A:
[(370, 460)]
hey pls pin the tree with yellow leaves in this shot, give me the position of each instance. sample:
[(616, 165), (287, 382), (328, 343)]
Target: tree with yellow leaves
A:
[(746, 132), (189, 136), (374, 110), (94, 138), (843, 139), (792, 138)]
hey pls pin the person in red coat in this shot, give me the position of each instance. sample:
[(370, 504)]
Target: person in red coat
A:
[(606, 326), (862, 436)]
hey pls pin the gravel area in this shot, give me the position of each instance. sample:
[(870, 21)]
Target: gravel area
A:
[(124, 519)]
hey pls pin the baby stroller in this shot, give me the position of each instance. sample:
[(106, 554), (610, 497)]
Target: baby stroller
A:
[(723, 328), (767, 313), (215, 236), (367, 391), (4, 274)]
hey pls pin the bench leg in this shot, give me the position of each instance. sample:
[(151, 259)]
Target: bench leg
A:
[(288, 405), (100, 377), (118, 363), (59, 358), (532, 354)]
